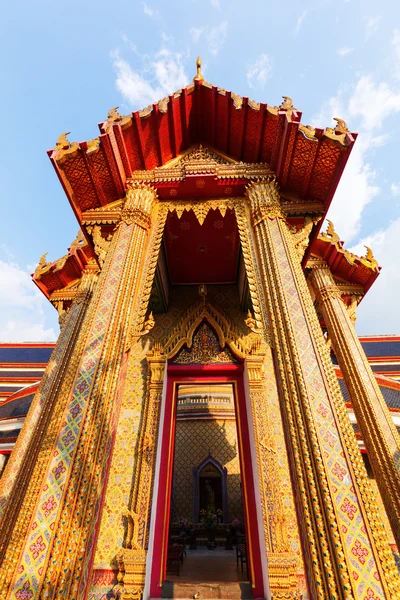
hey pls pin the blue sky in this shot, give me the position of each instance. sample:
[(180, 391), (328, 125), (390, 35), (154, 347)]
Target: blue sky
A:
[(64, 65)]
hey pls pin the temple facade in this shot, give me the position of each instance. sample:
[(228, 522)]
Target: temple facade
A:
[(207, 386)]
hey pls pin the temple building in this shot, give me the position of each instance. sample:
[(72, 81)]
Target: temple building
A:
[(208, 424)]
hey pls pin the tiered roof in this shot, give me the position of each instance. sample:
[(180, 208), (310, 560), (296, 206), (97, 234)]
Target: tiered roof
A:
[(146, 145)]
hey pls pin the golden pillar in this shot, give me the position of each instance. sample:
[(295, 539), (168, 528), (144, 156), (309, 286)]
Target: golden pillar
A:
[(282, 564), (29, 457), (63, 503), (346, 553), (373, 417), (132, 559)]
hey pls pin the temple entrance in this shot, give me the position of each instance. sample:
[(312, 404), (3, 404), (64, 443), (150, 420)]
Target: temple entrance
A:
[(206, 518), (205, 533)]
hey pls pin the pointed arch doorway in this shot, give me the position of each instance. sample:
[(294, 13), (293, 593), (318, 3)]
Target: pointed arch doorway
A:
[(210, 488), (230, 370)]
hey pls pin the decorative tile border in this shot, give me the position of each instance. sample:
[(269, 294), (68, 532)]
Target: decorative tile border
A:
[(38, 542)]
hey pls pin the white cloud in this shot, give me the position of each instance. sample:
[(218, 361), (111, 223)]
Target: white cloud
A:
[(197, 32), (215, 36), (149, 10), (372, 25), (162, 74), (365, 108), (300, 20), (373, 102), (258, 73), (344, 51), (395, 188), (22, 317), (356, 189), (396, 50), (379, 311), (216, 4)]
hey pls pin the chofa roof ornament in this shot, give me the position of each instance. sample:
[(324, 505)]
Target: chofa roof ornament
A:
[(198, 76)]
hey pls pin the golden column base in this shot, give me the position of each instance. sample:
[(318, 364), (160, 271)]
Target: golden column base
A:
[(281, 574), (132, 573)]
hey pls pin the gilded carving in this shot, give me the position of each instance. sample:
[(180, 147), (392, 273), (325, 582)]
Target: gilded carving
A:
[(42, 267), (352, 310), (228, 333), (139, 196), (148, 324), (190, 335), (379, 433), (201, 160), (339, 132), (136, 328), (62, 313), (265, 201), (33, 449), (331, 236), (132, 560), (201, 209), (135, 215), (64, 148), (198, 76), (101, 244), (287, 106), (369, 259), (79, 241), (302, 236), (289, 302), (201, 157), (113, 114)]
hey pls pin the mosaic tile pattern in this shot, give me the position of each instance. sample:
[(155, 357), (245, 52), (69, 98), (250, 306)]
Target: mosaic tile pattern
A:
[(122, 470), (215, 437), (120, 479), (123, 462), (281, 461), (33, 416), (352, 528), (40, 536)]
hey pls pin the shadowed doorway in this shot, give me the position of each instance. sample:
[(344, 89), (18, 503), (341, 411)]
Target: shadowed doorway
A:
[(206, 497), (163, 549), (206, 458)]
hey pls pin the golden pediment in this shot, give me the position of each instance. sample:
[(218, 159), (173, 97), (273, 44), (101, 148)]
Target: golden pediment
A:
[(202, 160)]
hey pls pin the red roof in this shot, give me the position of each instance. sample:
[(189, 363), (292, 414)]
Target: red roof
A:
[(308, 162), (60, 273), (345, 265)]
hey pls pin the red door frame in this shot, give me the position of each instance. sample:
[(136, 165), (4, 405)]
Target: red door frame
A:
[(226, 373)]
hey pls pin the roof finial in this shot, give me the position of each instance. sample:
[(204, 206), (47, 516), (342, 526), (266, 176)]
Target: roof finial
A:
[(199, 76), (341, 126)]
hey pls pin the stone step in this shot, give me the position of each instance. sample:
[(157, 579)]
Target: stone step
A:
[(218, 590)]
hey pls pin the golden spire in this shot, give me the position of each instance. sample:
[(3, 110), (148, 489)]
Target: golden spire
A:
[(199, 76)]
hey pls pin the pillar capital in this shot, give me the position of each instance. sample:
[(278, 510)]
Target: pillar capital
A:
[(138, 205), (324, 284), (265, 201)]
